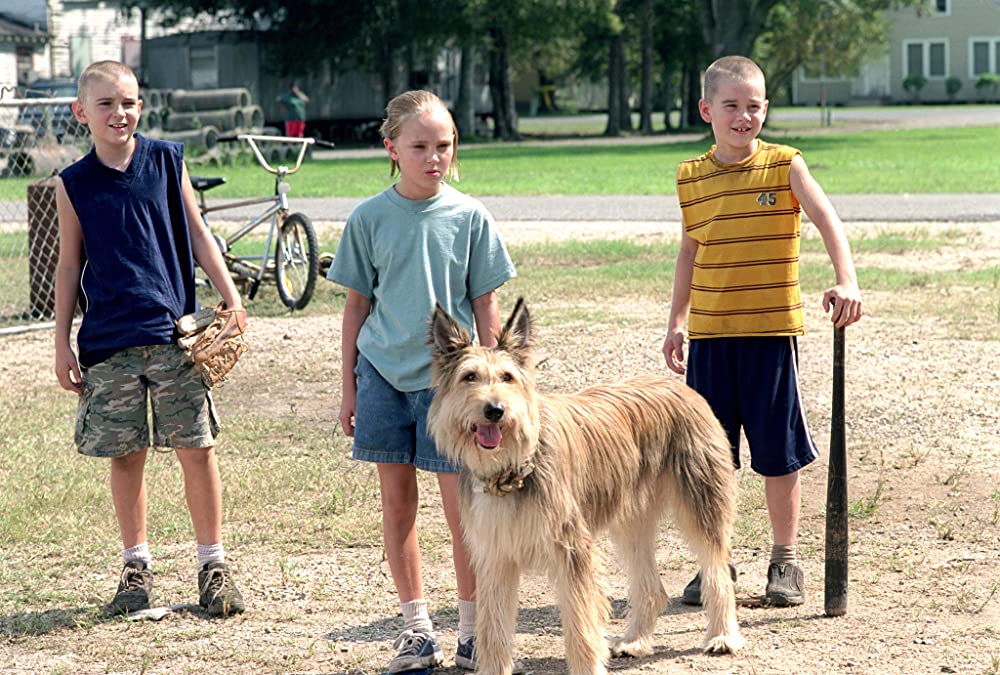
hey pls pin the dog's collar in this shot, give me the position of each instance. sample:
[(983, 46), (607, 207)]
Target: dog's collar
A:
[(505, 482)]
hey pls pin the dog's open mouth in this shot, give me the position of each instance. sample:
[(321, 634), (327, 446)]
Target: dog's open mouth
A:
[(487, 435)]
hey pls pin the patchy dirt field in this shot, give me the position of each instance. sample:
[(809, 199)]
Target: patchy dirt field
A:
[(924, 471)]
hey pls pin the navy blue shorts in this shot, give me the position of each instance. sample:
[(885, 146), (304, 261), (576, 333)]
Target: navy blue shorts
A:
[(390, 426), (752, 383)]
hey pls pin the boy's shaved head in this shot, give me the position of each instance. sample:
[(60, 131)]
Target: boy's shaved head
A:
[(729, 68), (102, 70)]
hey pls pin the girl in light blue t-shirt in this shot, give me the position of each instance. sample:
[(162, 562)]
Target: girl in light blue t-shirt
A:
[(415, 244)]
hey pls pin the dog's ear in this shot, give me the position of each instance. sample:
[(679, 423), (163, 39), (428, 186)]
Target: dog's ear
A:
[(447, 337), (516, 336)]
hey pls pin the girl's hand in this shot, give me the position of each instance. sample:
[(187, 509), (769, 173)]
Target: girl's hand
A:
[(347, 415)]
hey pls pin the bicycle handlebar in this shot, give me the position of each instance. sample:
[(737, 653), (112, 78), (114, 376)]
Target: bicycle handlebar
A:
[(252, 139)]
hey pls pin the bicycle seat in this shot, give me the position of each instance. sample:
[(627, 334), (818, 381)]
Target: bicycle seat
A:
[(200, 184)]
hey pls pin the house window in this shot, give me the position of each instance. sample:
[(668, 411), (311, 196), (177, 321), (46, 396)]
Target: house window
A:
[(25, 64), (985, 56), (926, 57), (942, 7), (204, 68)]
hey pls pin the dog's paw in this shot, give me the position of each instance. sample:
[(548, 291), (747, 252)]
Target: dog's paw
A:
[(636, 650), (725, 644)]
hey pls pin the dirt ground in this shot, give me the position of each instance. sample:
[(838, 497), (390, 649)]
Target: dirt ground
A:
[(924, 474)]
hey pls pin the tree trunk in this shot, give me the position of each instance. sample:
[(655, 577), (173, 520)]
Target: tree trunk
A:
[(731, 27), (465, 104), (648, 57), (668, 98), (387, 71), (501, 88), (624, 106), (616, 54), (691, 118)]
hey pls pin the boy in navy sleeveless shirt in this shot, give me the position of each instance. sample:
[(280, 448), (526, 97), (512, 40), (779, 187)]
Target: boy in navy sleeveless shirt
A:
[(129, 236)]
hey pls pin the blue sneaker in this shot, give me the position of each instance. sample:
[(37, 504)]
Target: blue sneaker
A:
[(465, 654), (465, 657), (417, 650)]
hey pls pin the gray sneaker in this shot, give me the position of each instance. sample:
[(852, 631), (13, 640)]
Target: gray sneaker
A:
[(417, 650), (135, 589), (465, 654), (217, 593), (692, 592), (785, 583)]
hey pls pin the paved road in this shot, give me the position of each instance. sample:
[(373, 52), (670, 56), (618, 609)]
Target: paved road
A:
[(871, 208), (882, 208)]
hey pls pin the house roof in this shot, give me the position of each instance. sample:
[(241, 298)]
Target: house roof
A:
[(18, 33)]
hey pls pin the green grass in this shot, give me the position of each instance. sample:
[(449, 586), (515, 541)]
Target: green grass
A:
[(593, 268), (925, 161), (903, 161)]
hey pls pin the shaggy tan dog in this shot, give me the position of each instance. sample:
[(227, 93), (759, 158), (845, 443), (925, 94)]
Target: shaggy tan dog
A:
[(542, 475)]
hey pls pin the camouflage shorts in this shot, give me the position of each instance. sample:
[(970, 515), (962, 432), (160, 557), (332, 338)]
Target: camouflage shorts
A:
[(138, 386)]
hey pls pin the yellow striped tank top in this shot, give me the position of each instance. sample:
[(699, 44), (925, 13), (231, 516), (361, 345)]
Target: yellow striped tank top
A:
[(747, 223)]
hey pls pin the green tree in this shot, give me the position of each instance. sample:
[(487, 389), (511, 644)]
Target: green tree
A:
[(382, 36), (683, 54), (390, 37), (829, 38)]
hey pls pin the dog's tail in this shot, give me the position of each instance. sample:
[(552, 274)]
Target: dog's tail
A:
[(704, 504), (700, 464)]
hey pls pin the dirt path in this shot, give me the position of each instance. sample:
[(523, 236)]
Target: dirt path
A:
[(924, 445)]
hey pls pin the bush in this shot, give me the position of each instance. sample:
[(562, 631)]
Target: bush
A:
[(988, 81), (951, 87), (913, 84)]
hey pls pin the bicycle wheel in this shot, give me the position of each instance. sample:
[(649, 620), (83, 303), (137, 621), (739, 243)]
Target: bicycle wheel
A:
[(296, 262)]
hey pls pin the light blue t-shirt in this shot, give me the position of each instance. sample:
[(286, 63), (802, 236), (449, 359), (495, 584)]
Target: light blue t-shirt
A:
[(404, 255)]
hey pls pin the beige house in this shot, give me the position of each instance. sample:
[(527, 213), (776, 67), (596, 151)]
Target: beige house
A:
[(957, 39)]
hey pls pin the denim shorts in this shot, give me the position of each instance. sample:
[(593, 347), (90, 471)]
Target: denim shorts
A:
[(390, 426), (133, 386), (753, 383)]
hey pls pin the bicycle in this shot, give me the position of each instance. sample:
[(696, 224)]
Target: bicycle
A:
[(293, 264)]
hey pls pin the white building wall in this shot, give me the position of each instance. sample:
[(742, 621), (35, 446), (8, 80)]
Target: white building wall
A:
[(84, 32)]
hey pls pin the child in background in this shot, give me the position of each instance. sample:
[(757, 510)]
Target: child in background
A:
[(129, 235), (418, 243), (737, 284), (294, 104)]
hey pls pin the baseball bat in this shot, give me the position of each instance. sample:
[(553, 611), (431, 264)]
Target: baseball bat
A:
[(835, 598)]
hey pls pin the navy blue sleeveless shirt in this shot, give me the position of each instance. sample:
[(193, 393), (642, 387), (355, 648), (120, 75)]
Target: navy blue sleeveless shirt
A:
[(138, 277)]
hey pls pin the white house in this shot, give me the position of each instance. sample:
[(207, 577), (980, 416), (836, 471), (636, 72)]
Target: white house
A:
[(56, 39)]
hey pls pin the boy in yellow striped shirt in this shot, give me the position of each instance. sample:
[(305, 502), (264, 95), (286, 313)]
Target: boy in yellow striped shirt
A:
[(737, 286)]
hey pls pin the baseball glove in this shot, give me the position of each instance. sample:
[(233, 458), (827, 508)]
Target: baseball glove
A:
[(214, 340)]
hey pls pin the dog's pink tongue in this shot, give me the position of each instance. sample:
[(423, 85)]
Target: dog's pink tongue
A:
[(488, 435)]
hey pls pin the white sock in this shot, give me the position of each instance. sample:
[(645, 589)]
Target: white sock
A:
[(210, 553), (416, 617), (466, 619), (783, 555), (138, 552)]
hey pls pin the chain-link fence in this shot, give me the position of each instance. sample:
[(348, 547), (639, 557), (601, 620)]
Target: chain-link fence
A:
[(38, 137)]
